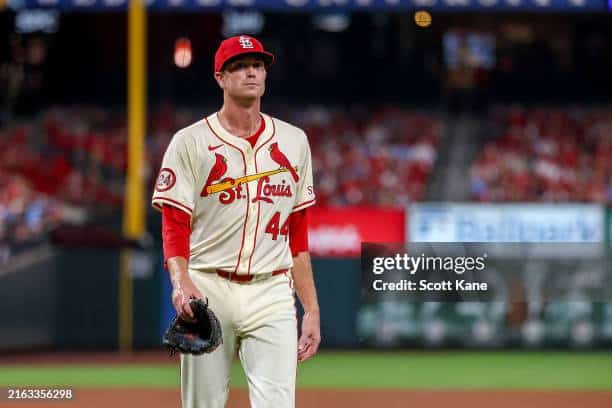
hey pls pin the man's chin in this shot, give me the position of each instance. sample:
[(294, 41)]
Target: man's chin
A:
[(248, 97)]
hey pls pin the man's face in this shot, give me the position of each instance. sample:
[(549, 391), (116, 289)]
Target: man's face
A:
[(243, 78)]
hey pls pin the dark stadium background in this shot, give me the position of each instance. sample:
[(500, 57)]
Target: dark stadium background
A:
[(380, 57)]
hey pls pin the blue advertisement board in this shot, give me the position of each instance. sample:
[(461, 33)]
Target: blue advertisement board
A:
[(443, 222)]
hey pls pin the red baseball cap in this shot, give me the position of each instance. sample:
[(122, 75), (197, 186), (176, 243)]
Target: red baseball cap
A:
[(239, 45)]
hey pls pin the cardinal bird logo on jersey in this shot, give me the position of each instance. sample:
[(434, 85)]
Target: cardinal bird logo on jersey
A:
[(230, 189), (280, 159), (217, 171)]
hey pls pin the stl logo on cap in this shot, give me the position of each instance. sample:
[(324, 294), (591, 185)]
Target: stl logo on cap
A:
[(245, 42), (238, 45)]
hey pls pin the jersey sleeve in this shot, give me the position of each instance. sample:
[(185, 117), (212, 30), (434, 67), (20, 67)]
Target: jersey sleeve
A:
[(176, 229), (305, 196), (298, 232), (175, 184)]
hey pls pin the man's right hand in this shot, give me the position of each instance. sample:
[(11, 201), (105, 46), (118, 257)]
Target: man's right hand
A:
[(183, 288)]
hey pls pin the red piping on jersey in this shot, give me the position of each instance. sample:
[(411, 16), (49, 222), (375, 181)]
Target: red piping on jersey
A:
[(270, 138), (259, 202), (255, 136), (172, 202), (247, 191), (303, 204)]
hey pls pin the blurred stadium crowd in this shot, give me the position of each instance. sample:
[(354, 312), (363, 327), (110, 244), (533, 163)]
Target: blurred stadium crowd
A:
[(83, 152), (70, 157), (77, 157), (550, 155)]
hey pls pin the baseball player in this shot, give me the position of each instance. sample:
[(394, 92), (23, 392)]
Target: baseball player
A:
[(233, 190)]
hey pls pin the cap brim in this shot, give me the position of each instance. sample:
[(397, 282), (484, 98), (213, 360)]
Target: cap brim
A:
[(268, 57)]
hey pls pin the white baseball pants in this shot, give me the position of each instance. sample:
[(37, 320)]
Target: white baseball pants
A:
[(259, 322)]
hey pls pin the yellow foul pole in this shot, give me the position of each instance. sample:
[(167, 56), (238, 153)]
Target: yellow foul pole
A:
[(134, 205)]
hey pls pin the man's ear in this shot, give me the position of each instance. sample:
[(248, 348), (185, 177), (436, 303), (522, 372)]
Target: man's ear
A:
[(219, 78)]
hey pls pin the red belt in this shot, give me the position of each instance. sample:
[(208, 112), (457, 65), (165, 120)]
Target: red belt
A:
[(245, 278)]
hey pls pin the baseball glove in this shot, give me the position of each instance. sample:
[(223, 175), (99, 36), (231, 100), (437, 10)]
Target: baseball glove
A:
[(203, 335)]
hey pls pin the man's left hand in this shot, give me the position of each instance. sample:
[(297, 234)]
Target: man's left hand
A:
[(311, 336)]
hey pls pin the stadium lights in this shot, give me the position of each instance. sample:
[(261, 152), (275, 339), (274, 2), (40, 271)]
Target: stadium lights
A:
[(182, 52), (248, 22), (31, 21), (333, 23)]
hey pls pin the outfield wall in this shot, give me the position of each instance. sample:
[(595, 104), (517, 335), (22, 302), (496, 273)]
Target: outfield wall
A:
[(69, 300), (525, 317)]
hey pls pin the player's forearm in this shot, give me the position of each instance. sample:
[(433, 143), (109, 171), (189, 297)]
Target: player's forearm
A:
[(177, 269), (183, 289), (304, 282)]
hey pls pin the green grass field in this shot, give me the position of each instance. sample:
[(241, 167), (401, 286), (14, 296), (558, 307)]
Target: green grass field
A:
[(405, 370)]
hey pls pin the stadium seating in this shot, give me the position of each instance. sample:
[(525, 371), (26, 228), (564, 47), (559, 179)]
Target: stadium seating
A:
[(545, 155), (77, 157)]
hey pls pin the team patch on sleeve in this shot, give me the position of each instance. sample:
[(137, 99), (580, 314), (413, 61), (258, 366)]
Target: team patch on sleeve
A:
[(165, 180)]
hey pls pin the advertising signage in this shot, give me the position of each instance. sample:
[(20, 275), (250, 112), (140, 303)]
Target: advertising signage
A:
[(325, 5), (578, 223), (339, 232)]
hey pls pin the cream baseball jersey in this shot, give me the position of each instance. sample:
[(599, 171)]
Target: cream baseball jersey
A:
[(239, 197)]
